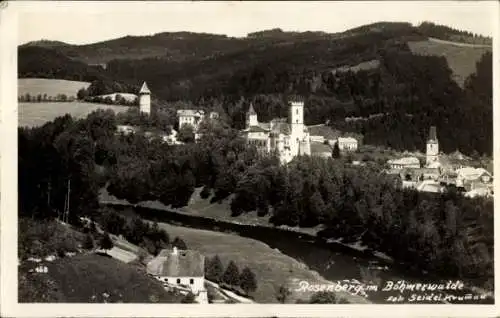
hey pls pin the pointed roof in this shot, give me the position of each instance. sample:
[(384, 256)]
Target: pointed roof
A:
[(251, 110), (144, 89), (432, 134)]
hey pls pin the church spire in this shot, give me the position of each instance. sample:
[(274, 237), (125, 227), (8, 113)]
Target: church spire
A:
[(251, 110), (432, 134)]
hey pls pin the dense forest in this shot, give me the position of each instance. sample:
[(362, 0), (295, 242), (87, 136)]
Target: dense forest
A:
[(411, 92), (446, 234)]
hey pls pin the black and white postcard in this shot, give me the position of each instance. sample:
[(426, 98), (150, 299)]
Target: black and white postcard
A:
[(250, 159)]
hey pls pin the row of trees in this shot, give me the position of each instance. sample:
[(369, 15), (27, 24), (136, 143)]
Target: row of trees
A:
[(231, 276), (27, 98)]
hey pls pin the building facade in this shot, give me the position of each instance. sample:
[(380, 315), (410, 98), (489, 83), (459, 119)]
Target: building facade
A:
[(190, 117), (287, 137), (347, 143)]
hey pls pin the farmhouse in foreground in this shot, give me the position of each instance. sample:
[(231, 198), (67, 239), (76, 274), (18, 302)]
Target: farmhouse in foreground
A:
[(183, 270)]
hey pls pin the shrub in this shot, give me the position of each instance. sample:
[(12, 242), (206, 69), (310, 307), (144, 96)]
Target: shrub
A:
[(106, 243), (323, 297)]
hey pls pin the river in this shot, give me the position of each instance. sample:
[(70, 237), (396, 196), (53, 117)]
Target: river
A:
[(334, 262)]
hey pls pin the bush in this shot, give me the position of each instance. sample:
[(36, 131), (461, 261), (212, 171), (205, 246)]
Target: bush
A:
[(106, 243), (179, 243), (205, 192), (88, 243), (323, 297)]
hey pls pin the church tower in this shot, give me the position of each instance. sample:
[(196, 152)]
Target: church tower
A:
[(432, 152), (296, 118), (251, 119), (145, 99)]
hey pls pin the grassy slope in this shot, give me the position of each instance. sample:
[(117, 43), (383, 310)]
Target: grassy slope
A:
[(271, 267), (86, 278), (461, 59), (51, 87), (35, 114)]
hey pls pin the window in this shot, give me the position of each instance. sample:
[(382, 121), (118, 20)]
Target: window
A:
[(178, 280), (296, 111), (191, 281)]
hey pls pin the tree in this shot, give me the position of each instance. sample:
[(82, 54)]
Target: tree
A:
[(214, 269), (323, 297), (186, 133), (247, 280), (231, 275), (88, 243), (179, 243), (188, 299), (336, 151), (106, 243), (283, 294)]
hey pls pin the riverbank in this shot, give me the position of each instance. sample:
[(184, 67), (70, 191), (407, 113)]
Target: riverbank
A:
[(220, 212), (272, 268)]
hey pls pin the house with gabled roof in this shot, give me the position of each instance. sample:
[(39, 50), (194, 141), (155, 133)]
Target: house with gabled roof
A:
[(180, 269)]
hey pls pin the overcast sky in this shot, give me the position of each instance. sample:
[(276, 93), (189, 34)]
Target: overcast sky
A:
[(86, 22)]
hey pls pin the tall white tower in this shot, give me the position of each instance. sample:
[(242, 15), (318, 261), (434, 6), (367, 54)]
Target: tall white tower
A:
[(145, 99), (432, 153), (296, 118), (251, 119)]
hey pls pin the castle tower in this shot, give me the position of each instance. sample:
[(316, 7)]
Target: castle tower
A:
[(251, 119), (432, 152), (145, 99), (296, 119)]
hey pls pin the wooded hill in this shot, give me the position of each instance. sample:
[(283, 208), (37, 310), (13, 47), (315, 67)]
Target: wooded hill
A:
[(414, 91)]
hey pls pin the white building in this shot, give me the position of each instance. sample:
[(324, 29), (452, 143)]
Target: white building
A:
[(145, 99), (180, 269), (288, 138), (347, 143), (190, 117), (403, 163)]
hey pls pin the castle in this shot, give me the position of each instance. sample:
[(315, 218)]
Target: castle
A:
[(287, 138)]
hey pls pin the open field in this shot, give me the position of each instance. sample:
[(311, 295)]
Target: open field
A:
[(271, 267), (36, 114), (90, 278), (51, 87), (461, 58)]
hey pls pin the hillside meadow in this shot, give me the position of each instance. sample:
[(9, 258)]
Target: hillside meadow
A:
[(36, 114), (51, 87), (461, 58)]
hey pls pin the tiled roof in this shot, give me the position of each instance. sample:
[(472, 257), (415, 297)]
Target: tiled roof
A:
[(317, 147), (190, 112), (322, 130), (256, 129), (404, 161), (180, 264), (347, 140)]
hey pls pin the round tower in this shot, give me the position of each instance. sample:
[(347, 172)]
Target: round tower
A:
[(251, 118), (432, 153), (145, 99)]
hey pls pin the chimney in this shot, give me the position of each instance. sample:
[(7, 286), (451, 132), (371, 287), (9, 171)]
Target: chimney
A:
[(175, 251)]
